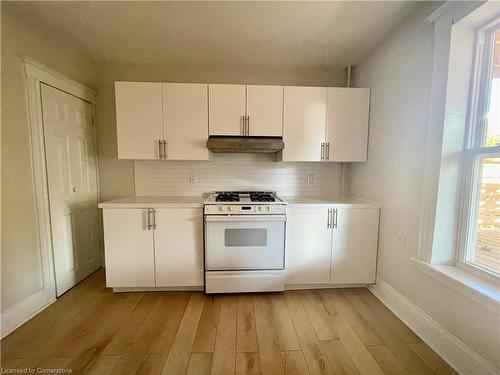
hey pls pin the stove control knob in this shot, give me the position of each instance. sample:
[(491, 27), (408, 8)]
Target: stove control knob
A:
[(221, 208), (268, 208), (259, 208), (230, 208)]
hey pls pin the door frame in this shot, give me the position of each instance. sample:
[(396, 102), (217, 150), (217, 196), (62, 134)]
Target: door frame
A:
[(36, 74)]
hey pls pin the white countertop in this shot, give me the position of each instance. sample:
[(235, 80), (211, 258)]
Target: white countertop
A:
[(196, 201), (294, 201), (156, 201)]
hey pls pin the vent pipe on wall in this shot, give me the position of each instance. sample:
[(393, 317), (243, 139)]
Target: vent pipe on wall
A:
[(349, 69), (345, 170)]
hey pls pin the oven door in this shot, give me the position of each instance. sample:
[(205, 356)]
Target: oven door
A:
[(253, 242)]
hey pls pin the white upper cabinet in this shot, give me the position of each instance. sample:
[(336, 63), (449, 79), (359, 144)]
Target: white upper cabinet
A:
[(265, 110), (354, 245), (227, 109), (347, 123), (173, 120), (139, 119), (304, 123), (185, 111)]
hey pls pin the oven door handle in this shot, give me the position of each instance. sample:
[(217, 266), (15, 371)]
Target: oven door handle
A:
[(245, 218)]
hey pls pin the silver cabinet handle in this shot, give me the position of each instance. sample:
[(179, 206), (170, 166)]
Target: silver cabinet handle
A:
[(164, 149), (329, 219), (327, 151), (322, 151), (335, 222), (149, 219), (242, 125), (248, 125), (160, 156)]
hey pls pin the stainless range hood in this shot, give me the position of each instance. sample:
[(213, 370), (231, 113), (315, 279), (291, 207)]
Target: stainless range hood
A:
[(245, 144)]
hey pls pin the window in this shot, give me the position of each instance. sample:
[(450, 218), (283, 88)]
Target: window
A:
[(481, 242)]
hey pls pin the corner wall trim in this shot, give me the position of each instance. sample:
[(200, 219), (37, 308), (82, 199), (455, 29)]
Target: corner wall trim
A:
[(454, 351), (35, 74)]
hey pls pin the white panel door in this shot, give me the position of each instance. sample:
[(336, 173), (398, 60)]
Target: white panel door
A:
[(348, 118), (128, 245), (179, 247), (227, 106), (185, 111), (304, 123), (265, 110), (354, 245), (72, 184), (139, 119), (308, 246)]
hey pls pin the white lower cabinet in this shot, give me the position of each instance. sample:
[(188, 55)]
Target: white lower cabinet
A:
[(308, 246), (169, 256), (128, 248), (179, 247), (354, 246), (331, 245)]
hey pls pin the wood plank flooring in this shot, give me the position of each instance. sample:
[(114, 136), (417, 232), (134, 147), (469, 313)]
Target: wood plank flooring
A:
[(90, 330)]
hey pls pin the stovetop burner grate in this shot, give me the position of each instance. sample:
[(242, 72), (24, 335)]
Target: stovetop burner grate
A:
[(227, 197), (235, 196)]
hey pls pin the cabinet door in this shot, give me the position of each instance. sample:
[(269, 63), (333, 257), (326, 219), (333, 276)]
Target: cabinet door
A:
[(185, 114), (265, 110), (347, 129), (179, 247), (139, 119), (308, 246), (128, 248), (226, 108), (354, 245), (304, 123)]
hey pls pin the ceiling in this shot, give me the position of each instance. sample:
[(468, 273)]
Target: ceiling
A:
[(262, 33)]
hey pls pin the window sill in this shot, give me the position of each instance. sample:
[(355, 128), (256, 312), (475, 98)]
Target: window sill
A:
[(477, 289)]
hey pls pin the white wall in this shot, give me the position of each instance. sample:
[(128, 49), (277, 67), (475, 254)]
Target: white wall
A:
[(117, 176), (399, 73), (20, 256)]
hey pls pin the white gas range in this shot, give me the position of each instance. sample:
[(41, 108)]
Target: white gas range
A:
[(244, 242)]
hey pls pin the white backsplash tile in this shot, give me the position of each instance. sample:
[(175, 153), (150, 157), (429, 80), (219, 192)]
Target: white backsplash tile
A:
[(236, 172)]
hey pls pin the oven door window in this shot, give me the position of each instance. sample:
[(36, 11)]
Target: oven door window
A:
[(236, 237)]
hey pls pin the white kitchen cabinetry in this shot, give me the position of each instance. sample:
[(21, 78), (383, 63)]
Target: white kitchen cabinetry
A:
[(227, 109), (239, 110), (185, 114), (168, 254), (161, 120), (308, 246), (178, 247), (265, 111), (347, 124), (323, 124), (354, 245), (304, 123), (139, 119), (331, 245), (129, 248)]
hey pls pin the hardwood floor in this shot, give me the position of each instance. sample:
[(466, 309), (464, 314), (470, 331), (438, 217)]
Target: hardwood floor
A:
[(90, 330)]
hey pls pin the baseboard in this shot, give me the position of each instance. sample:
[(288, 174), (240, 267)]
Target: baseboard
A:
[(23, 311), (159, 289), (454, 351), (323, 286)]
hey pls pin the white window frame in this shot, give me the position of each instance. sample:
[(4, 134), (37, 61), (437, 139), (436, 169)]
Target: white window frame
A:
[(478, 107)]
